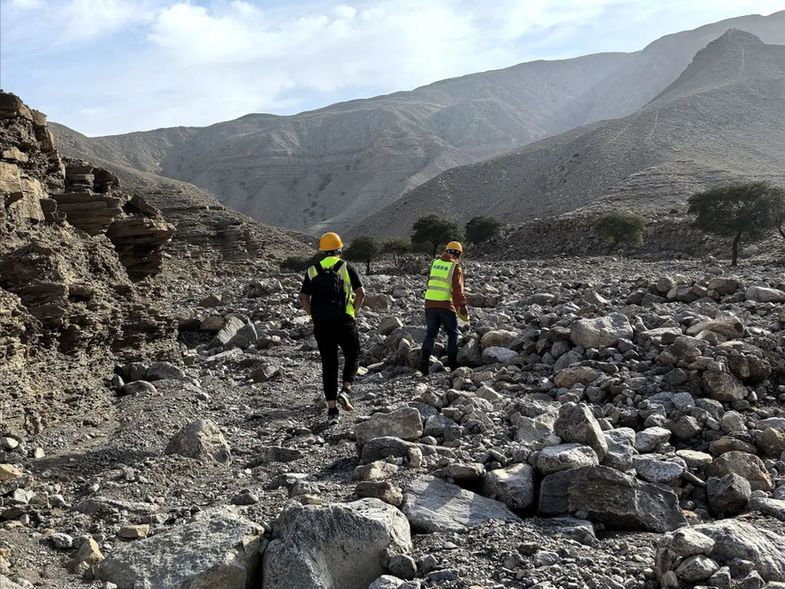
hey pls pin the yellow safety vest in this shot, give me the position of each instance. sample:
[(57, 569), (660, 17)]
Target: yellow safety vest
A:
[(440, 281), (343, 271)]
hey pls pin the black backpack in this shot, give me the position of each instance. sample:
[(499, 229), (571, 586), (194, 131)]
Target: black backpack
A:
[(328, 294)]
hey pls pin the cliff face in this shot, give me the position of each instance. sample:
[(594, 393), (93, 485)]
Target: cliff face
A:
[(71, 247)]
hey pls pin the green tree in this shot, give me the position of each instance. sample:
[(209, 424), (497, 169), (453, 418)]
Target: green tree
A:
[(620, 227), (397, 248), (431, 232), (480, 229), (363, 249), (744, 208)]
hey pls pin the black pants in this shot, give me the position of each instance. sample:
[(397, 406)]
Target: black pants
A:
[(330, 336), (434, 319)]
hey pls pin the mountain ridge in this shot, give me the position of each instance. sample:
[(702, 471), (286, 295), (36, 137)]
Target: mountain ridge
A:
[(729, 127), (332, 167)]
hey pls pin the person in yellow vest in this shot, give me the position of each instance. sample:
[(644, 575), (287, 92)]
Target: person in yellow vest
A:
[(331, 294), (445, 301)]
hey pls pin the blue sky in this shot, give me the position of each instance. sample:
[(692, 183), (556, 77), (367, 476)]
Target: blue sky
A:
[(114, 66)]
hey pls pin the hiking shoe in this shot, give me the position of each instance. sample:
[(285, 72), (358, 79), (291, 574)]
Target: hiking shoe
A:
[(344, 401), (332, 416)]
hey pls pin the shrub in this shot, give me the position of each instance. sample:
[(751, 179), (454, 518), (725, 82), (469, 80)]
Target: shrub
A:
[(299, 263), (620, 227)]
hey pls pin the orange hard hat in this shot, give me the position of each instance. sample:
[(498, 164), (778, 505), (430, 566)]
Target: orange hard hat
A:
[(455, 245), (330, 242)]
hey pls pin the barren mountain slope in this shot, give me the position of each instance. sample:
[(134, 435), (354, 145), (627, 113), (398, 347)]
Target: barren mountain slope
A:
[(722, 119), (205, 227), (339, 164)]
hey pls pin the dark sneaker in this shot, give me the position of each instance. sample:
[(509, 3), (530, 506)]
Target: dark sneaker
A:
[(344, 401), (424, 369), (332, 416)]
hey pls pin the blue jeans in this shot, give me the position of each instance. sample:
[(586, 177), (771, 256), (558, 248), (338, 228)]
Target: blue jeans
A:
[(435, 319)]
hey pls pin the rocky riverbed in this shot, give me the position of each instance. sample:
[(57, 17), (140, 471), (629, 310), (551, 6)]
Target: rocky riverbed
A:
[(616, 423)]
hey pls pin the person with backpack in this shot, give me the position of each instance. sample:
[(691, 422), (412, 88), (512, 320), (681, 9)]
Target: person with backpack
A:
[(445, 301), (331, 294)]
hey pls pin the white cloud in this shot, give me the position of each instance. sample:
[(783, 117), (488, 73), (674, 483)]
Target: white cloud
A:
[(120, 65)]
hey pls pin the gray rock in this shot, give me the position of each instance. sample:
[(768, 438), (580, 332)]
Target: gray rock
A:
[(404, 423), (576, 423), (388, 325), (555, 458), (391, 582), (696, 568), (6, 583), (772, 507), (647, 440), (734, 540), (723, 286), (657, 469), (384, 447), (433, 505), (688, 541), (620, 448), (743, 464), (268, 454), (610, 497), (228, 331), (137, 387), (164, 371), (514, 485), (200, 439), (728, 495), (501, 355), (602, 331), (217, 549), (723, 387), (340, 545), (244, 337), (761, 294)]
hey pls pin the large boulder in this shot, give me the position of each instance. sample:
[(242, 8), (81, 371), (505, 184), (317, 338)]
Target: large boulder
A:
[(602, 331), (728, 495), (341, 545), (568, 377), (723, 387), (498, 354), (762, 294), (726, 542), (200, 439), (219, 548), (433, 505), (745, 465), (610, 497), (497, 338), (564, 456), (404, 423), (513, 485), (576, 423)]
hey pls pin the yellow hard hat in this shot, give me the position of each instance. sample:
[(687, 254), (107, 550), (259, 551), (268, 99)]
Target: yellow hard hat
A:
[(455, 245), (330, 242)]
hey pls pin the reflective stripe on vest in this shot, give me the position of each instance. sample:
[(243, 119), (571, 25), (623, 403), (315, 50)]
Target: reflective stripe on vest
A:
[(343, 271), (440, 281)]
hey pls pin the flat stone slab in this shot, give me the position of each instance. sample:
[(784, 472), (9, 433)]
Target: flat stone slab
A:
[(219, 548), (434, 505)]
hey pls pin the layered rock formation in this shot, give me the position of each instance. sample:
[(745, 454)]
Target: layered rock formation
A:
[(69, 242)]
